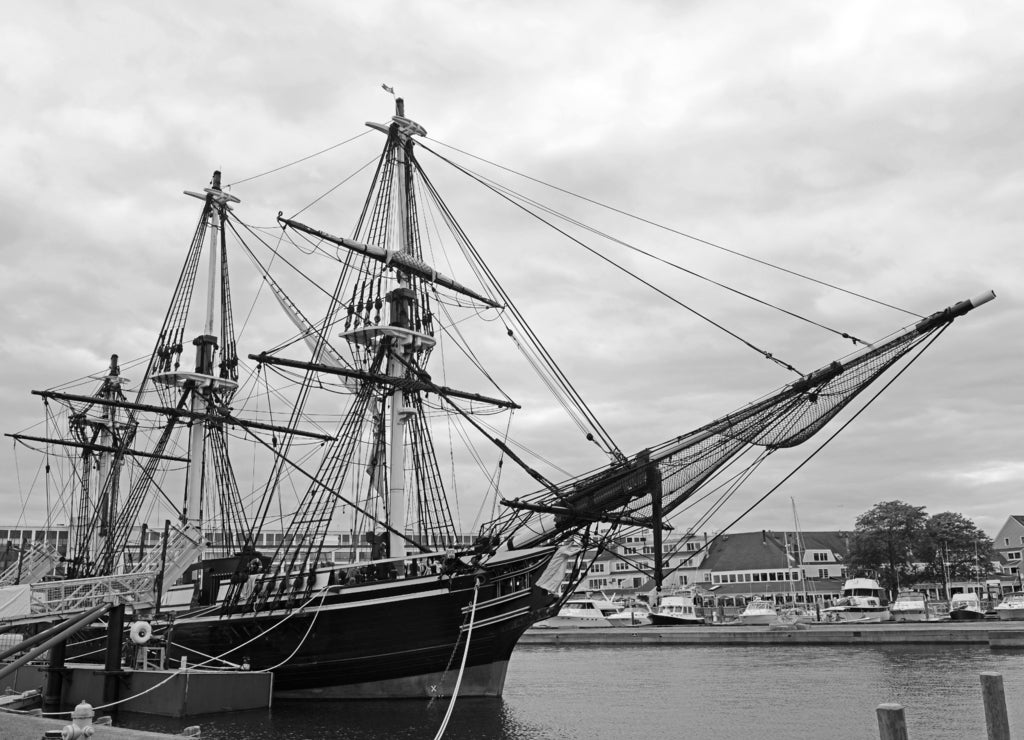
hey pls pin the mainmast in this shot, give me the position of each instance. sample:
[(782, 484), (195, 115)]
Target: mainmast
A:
[(403, 339)]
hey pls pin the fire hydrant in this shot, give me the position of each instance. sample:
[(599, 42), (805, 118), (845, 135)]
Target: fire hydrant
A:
[(81, 723)]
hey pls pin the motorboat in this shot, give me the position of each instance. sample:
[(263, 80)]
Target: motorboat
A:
[(1011, 608), (914, 606), (583, 612), (681, 609), (965, 607), (862, 600), (796, 615), (631, 614), (759, 611)]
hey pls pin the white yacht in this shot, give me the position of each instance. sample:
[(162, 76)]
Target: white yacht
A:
[(583, 612), (914, 606), (681, 609), (1011, 607), (631, 615), (862, 600), (759, 611)]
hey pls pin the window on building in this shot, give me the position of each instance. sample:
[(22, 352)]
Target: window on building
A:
[(597, 568), (820, 557), (716, 579), (1013, 556), (822, 572)]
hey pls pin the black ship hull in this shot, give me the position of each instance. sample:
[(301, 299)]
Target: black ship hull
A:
[(393, 639), (663, 620)]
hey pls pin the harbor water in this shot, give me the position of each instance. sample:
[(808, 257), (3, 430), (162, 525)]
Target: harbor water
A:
[(618, 693)]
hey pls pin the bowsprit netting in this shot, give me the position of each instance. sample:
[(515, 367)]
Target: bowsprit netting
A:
[(675, 470)]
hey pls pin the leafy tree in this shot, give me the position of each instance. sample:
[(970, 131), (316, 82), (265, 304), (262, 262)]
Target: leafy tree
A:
[(953, 547), (884, 541)]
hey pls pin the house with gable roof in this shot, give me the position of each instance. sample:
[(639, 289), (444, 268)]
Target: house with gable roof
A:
[(1009, 544), (781, 566)]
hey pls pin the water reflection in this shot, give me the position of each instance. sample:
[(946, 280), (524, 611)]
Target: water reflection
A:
[(617, 693)]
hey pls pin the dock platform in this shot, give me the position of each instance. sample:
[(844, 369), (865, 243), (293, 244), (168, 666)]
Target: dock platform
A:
[(168, 693), (994, 634)]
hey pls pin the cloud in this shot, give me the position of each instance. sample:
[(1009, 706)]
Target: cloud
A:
[(867, 145)]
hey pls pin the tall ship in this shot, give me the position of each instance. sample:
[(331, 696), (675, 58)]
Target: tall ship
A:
[(349, 416)]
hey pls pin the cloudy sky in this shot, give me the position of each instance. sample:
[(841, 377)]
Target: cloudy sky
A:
[(874, 146)]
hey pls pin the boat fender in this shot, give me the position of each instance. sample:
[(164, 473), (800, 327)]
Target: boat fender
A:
[(140, 632)]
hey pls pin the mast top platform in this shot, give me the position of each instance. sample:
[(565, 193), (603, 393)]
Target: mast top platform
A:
[(181, 378), (214, 192), (371, 335)]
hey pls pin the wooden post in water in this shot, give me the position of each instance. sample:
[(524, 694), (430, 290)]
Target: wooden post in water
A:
[(55, 677), (654, 485), (892, 725), (994, 698), (112, 670)]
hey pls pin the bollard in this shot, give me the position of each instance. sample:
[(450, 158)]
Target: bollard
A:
[(892, 725), (81, 723), (994, 698)]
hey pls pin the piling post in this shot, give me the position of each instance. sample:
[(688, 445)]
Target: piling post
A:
[(55, 677), (112, 670), (892, 725), (994, 698)]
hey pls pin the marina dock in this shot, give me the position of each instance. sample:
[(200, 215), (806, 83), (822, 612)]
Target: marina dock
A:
[(995, 634)]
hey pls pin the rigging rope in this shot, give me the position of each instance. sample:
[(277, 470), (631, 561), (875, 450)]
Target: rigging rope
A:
[(490, 280), (829, 439), (656, 258), (679, 233), (462, 667), (297, 161), (764, 353)]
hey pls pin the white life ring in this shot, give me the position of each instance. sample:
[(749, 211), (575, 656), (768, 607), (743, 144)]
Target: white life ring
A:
[(140, 632)]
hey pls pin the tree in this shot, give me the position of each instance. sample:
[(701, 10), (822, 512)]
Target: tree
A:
[(884, 541), (953, 547)]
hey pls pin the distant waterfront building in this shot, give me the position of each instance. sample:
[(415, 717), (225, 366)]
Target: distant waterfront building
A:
[(339, 547), (628, 563), (1009, 544), (781, 566)]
